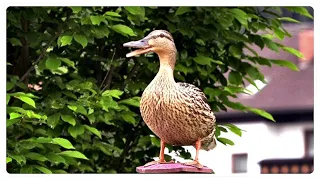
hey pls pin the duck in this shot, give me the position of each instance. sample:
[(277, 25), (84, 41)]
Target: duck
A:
[(177, 112)]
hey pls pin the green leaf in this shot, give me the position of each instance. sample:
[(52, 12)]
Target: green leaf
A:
[(59, 171), (123, 29), (181, 68), (8, 99), (85, 168), (285, 63), (217, 62), (81, 39), (14, 115), (254, 73), (251, 82), (114, 93), (289, 19), (27, 100), (15, 42), (258, 40), (70, 94), (203, 60), (270, 44), (63, 142), (182, 10), (103, 147), (234, 129), (76, 9), (42, 140), (8, 159), (100, 31), (65, 40), (263, 61), (35, 156), (110, 13), (240, 15), (134, 101), (73, 108), (93, 130), (236, 51), (53, 120), (68, 62), (42, 169), (217, 131), (251, 50), (78, 108), (262, 113), (76, 130), (23, 94), (212, 92), (279, 33), (155, 141), (128, 118), (53, 63), (69, 119), (259, 25), (225, 141), (9, 86), (135, 10), (26, 170), (235, 78), (81, 109), (90, 111), (55, 158), (233, 105), (301, 10), (74, 154), (96, 20), (293, 51), (19, 158), (107, 102)]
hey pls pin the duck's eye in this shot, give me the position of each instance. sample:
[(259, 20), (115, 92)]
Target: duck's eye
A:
[(161, 35)]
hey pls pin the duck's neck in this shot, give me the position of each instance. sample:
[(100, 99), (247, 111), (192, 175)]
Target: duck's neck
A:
[(165, 73)]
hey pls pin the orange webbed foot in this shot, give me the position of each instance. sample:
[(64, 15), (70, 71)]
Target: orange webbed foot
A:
[(158, 162), (194, 164)]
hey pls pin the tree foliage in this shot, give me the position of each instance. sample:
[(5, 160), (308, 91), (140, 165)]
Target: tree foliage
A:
[(85, 118)]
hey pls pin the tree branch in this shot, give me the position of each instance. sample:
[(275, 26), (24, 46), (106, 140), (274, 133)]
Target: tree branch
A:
[(39, 58), (108, 76)]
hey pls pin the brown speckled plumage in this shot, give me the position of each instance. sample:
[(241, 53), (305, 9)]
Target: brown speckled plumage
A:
[(178, 113)]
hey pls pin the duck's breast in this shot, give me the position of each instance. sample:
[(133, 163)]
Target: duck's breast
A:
[(169, 115)]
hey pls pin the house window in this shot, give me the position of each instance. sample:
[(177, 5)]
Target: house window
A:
[(309, 143), (239, 163)]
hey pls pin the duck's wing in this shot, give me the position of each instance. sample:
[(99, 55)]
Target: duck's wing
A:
[(196, 99), (195, 95), (199, 107)]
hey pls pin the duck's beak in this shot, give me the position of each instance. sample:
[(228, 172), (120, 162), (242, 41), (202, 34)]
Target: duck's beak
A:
[(142, 44)]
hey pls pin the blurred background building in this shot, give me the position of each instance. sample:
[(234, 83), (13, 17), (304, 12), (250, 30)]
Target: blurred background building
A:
[(268, 147)]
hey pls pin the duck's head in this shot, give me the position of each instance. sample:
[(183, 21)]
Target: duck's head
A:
[(158, 41)]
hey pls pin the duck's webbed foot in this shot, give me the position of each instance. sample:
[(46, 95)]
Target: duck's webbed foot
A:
[(194, 164), (161, 157), (158, 162)]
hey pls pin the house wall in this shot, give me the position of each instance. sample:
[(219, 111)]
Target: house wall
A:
[(260, 141)]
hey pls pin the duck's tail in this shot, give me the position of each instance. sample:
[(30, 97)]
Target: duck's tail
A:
[(208, 143)]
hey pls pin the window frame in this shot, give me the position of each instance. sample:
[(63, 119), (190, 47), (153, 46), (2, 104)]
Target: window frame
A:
[(234, 158), (307, 134)]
